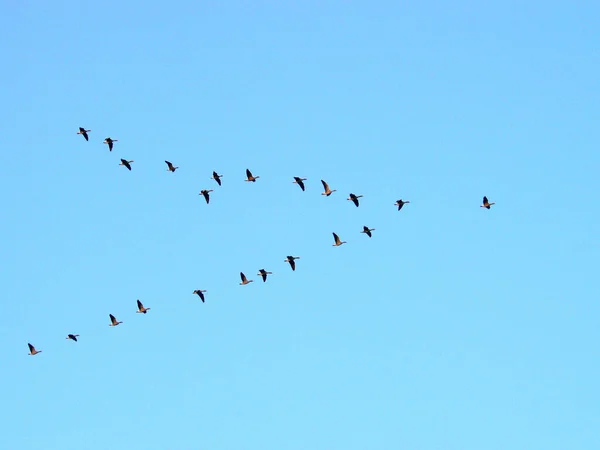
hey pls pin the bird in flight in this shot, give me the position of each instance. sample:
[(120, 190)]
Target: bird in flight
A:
[(250, 177), (126, 163), (244, 279), (336, 238), (400, 203), (328, 191), (73, 337), (113, 321), (84, 133), (367, 230), (110, 141), (290, 259), (200, 294), (141, 308), (299, 181), (171, 167), (205, 192), (486, 203), (32, 350), (354, 198), (263, 273), (217, 177)]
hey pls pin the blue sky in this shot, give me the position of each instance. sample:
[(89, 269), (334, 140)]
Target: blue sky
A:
[(453, 328)]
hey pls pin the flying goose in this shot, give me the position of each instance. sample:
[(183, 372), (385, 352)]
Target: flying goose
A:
[(200, 294), (205, 193), (84, 132), (110, 141), (141, 308), (367, 230), (244, 279), (250, 177), (73, 337), (328, 191), (32, 350), (217, 177), (263, 273), (171, 167), (486, 203), (354, 198), (290, 259), (299, 181), (400, 203), (336, 238), (126, 163), (113, 321)]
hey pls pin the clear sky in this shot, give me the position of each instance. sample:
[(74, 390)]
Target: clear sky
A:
[(454, 327)]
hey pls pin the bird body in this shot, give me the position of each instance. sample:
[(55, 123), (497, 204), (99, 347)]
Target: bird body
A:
[(32, 350), (73, 337), (84, 133), (110, 141), (126, 163), (486, 203), (290, 260), (299, 181), (354, 198), (244, 279), (113, 321), (263, 273), (367, 230), (400, 203), (217, 177), (205, 193), (171, 167), (327, 191), (200, 294), (336, 238), (250, 177), (141, 308)]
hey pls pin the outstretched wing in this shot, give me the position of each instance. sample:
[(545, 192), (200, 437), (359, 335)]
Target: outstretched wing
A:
[(31, 348), (243, 277), (325, 185), (248, 173), (140, 306)]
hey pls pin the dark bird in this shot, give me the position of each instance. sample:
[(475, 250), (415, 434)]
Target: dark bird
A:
[(328, 191), (354, 198), (32, 350), (244, 279), (290, 259), (487, 204), (84, 132), (73, 337), (400, 203), (263, 273), (141, 308), (367, 230), (217, 177), (126, 163), (299, 181), (205, 193), (171, 167), (336, 238), (110, 141), (200, 294), (113, 321), (250, 177)]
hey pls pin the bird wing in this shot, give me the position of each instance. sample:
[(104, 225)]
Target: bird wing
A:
[(201, 295), (110, 146), (485, 200), (325, 185), (301, 184), (336, 238), (242, 276), (248, 173), (31, 348), (206, 196), (112, 318), (140, 306), (263, 274), (292, 264)]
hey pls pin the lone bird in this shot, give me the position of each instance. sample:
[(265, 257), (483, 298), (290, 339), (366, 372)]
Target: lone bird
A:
[(336, 238), (32, 350), (354, 198), (84, 133), (171, 167), (126, 163), (200, 294), (263, 273), (73, 337), (328, 191), (205, 193), (244, 279), (367, 230), (290, 259), (250, 177), (141, 308), (110, 141), (113, 321), (217, 177), (299, 181), (400, 203), (486, 203)]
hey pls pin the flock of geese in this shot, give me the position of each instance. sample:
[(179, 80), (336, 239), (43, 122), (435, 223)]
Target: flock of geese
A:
[(291, 260)]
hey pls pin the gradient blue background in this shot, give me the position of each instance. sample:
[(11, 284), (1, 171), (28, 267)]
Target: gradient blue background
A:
[(453, 328)]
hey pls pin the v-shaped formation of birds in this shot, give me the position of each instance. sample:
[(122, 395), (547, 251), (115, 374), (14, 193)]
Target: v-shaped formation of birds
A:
[(291, 260)]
